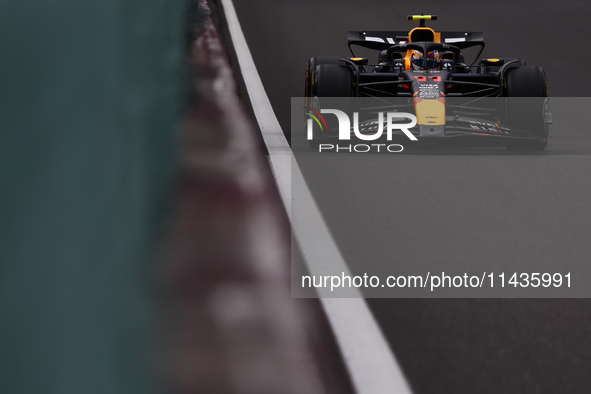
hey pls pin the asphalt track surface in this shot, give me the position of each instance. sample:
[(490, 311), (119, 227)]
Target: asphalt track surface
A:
[(514, 208)]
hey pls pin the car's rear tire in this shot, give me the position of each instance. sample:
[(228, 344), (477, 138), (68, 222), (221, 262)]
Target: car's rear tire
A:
[(527, 105), (330, 80)]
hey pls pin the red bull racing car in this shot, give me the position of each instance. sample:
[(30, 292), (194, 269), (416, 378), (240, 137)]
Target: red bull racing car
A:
[(492, 101)]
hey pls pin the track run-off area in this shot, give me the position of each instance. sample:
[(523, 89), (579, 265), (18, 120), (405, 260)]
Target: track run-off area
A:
[(460, 205)]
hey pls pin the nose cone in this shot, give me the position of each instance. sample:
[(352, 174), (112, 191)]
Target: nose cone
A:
[(426, 131), (430, 111)]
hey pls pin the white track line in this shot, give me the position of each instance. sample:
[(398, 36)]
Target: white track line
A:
[(371, 364)]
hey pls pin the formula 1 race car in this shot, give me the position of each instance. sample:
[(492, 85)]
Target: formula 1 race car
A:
[(494, 101)]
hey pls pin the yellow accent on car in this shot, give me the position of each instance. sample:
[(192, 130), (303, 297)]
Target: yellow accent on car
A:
[(436, 36), (430, 112), (356, 59), (492, 60), (407, 57), (419, 17)]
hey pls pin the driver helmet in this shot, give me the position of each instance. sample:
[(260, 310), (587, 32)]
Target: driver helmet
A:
[(418, 62)]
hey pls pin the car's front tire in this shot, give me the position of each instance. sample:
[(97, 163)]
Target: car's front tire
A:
[(330, 80), (314, 62)]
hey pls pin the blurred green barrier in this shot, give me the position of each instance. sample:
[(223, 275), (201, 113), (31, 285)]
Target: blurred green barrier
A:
[(91, 94)]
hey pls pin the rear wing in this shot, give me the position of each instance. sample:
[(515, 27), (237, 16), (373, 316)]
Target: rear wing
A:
[(380, 40)]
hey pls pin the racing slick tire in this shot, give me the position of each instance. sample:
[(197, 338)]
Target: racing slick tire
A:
[(330, 80), (527, 106), (310, 70), (333, 80)]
